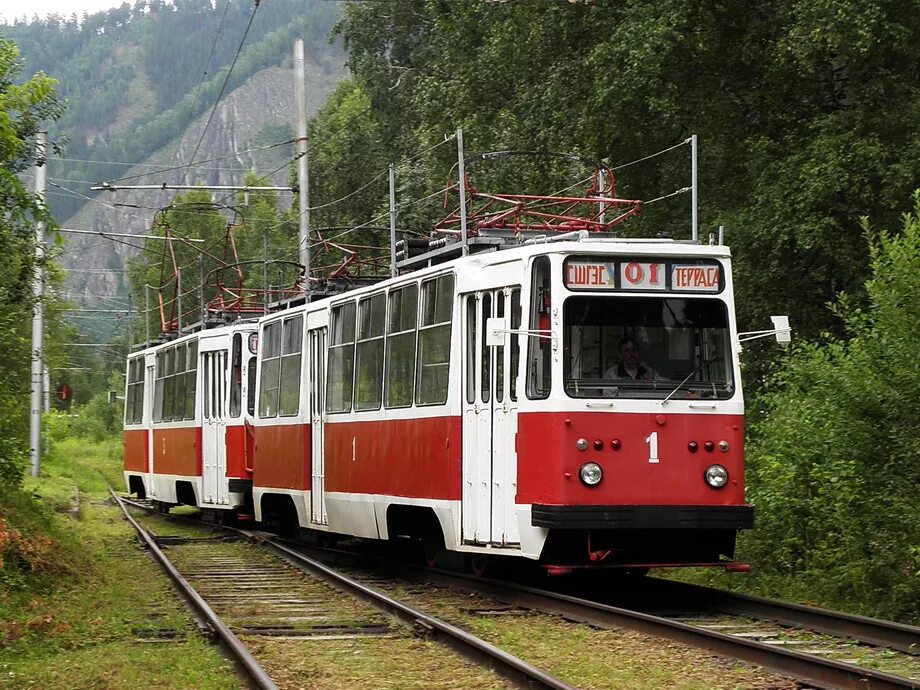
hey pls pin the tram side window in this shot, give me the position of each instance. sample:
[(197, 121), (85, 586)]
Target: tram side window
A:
[(269, 369), (340, 379), (539, 357), (191, 379), (434, 340), (402, 322), (369, 352), (169, 393), (134, 400), (291, 349), (179, 382)]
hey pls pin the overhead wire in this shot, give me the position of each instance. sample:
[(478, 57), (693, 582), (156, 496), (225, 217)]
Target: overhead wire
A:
[(223, 89)]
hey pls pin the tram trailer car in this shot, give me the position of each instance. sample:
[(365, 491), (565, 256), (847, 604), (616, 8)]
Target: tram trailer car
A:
[(481, 406), (188, 407)]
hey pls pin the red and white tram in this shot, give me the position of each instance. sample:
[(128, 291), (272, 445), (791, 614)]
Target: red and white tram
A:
[(481, 405), (188, 408), (575, 401)]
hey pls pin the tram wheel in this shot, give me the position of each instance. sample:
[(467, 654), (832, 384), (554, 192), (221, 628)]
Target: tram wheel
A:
[(432, 548), (480, 564)]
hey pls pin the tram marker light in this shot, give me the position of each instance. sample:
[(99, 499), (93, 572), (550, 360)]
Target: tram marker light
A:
[(582, 444), (709, 446)]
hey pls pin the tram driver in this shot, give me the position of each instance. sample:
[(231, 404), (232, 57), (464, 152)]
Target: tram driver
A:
[(630, 366)]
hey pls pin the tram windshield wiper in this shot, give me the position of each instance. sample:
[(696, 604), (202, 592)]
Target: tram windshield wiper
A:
[(704, 363)]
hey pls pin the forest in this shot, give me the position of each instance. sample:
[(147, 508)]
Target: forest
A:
[(807, 116)]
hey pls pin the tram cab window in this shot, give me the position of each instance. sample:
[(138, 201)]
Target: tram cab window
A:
[(134, 399), (540, 349), (236, 376), (679, 346), (291, 350), (251, 387), (191, 379), (270, 369)]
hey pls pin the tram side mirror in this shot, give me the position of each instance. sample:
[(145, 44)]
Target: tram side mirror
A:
[(496, 330), (781, 330)]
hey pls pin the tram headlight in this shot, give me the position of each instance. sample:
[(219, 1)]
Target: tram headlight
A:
[(591, 474), (716, 476)]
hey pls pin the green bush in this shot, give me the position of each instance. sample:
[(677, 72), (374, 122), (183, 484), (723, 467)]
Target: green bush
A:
[(834, 464)]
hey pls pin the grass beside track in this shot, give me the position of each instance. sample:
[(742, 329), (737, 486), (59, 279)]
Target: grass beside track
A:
[(94, 612)]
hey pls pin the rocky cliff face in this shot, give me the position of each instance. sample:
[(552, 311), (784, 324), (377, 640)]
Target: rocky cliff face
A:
[(258, 113)]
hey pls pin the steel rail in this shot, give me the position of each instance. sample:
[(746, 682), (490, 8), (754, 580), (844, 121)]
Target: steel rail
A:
[(244, 660), (823, 673), (458, 639), (902, 637)]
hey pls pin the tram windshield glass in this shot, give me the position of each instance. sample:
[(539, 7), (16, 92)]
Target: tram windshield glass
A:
[(647, 347)]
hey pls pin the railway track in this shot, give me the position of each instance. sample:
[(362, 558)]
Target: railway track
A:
[(818, 648), (824, 649), (249, 601)]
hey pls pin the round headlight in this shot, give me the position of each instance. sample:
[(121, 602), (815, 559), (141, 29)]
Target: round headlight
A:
[(716, 476), (591, 473)]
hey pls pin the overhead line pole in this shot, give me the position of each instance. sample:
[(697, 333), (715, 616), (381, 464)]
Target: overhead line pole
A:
[(303, 168), (38, 314), (694, 192), (392, 221)]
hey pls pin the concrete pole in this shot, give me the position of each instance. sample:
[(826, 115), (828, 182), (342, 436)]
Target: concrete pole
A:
[(147, 314), (303, 167), (38, 314)]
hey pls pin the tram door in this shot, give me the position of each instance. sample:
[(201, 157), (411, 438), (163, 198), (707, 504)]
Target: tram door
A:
[(214, 427), (149, 386), (317, 372), (490, 410)]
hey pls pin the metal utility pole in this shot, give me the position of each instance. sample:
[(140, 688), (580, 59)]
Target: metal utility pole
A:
[(464, 249), (392, 220), (303, 168), (693, 189), (38, 315)]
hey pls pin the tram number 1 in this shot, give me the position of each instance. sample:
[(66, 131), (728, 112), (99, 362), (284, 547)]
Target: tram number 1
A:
[(652, 441)]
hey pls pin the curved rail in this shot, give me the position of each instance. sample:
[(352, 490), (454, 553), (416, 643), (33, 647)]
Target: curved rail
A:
[(459, 640), (231, 642)]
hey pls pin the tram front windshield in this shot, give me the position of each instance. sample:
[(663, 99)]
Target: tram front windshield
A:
[(647, 347)]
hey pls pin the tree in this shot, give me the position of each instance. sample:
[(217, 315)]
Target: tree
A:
[(24, 108)]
